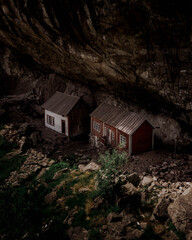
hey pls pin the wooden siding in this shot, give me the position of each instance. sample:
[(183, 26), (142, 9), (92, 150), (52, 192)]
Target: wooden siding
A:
[(79, 119), (57, 119), (94, 132), (142, 138)]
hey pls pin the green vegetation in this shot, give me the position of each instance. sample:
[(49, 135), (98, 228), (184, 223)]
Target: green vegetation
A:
[(112, 164), (53, 169), (5, 146), (22, 212), (25, 214), (9, 165)]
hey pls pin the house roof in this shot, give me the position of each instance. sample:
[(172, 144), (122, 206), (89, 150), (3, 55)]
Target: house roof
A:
[(60, 103), (124, 120)]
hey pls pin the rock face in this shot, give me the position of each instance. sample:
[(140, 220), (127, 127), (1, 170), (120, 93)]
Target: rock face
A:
[(180, 212), (140, 51)]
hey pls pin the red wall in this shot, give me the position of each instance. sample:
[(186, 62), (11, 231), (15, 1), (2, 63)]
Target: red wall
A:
[(94, 132), (142, 138)]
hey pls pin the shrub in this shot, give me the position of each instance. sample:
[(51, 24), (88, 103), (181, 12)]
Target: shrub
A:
[(112, 164)]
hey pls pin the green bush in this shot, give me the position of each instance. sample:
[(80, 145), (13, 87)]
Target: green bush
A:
[(112, 164)]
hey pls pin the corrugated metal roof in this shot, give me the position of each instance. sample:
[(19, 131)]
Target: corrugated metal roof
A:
[(124, 120), (60, 103)]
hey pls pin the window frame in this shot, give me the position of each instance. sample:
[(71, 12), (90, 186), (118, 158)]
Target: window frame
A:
[(50, 120), (112, 135), (122, 140), (97, 126)]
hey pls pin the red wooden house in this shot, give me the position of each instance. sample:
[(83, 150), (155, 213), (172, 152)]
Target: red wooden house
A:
[(116, 126)]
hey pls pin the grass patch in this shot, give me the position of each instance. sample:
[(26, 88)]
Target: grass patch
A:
[(71, 160), (5, 146), (22, 212), (9, 165), (48, 175)]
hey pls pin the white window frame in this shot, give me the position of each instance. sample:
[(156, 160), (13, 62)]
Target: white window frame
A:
[(112, 135), (122, 140), (50, 120), (97, 126), (105, 131)]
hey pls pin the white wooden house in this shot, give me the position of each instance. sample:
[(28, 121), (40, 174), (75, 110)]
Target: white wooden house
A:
[(65, 114)]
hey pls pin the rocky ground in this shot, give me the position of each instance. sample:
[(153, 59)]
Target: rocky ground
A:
[(164, 199), (151, 199)]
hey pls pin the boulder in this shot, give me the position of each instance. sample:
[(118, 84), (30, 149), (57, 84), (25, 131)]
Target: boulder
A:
[(134, 179), (147, 180), (180, 212), (160, 212), (92, 166)]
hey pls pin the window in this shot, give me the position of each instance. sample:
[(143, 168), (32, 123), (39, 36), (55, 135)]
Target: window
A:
[(113, 136), (122, 140), (51, 120), (105, 131), (96, 126)]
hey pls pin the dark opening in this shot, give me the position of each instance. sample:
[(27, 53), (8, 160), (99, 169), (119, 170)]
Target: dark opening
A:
[(63, 126)]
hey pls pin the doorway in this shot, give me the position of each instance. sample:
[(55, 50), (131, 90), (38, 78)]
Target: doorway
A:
[(109, 135), (63, 126)]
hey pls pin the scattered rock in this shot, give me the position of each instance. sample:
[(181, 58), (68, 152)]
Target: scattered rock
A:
[(92, 166), (114, 217), (76, 233), (134, 179), (59, 173), (133, 233), (147, 180), (51, 197)]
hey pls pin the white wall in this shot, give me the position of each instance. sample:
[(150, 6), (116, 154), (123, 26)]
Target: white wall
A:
[(58, 119)]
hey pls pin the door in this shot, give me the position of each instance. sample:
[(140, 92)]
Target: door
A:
[(63, 126), (109, 135)]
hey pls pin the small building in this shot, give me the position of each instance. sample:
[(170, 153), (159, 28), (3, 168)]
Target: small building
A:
[(66, 114), (118, 127)]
